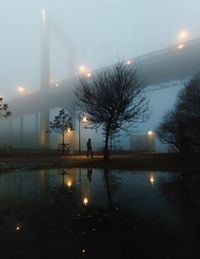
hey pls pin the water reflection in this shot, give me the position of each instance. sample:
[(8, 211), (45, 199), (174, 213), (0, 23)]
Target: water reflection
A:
[(70, 213)]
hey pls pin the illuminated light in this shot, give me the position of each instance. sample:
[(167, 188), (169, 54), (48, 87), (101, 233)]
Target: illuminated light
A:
[(18, 228), (180, 46), (68, 130), (152, 180), (84, 119), (56, 85), (183, 35), (150, 132), (21, 89), (85, 201), (82, 69), (89, 75), (83, 251), (128, 62), (69, 184)]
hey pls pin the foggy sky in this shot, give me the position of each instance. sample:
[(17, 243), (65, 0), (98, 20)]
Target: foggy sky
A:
[(102, 31)]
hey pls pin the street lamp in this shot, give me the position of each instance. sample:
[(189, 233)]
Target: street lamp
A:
[(149, 135), (81, 118)]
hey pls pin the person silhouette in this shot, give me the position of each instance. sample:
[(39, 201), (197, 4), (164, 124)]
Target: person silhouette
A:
[(89, 148)]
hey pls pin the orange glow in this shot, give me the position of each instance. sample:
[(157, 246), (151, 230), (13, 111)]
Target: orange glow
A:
[(85, 201), (69, 184)]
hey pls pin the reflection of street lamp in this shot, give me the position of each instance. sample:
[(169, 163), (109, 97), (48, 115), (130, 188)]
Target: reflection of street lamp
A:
[(152, 179)]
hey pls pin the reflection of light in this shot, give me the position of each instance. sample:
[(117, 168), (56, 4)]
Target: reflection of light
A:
[(152, 179), (180, 46), (85, 201), (18, 227), (83, 251)]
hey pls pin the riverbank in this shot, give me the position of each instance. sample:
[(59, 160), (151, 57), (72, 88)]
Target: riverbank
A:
[(134, 161)]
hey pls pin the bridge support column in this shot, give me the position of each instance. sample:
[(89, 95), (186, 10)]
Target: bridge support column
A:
[(21, 134), (44, 125)]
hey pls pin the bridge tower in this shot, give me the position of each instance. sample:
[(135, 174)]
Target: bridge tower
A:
[(49, 27), (45, 79)]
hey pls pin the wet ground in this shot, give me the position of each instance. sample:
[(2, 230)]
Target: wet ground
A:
[(99, 213)]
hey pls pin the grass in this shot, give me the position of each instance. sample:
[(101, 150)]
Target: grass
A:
[(134, 161)]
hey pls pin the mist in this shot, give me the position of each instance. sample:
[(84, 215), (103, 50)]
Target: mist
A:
[(98, 32)]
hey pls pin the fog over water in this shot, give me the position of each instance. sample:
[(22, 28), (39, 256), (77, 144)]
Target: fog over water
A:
[(101, 31)]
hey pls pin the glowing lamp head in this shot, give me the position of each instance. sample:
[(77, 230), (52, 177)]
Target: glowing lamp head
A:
[(84, 119), (150, 132), (89, 75), (85, 201), (69, 184), (183, 35), (180, 46), (21, 89), (128, 62)]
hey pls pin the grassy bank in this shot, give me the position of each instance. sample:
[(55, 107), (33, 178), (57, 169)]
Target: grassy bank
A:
[(134, 161)]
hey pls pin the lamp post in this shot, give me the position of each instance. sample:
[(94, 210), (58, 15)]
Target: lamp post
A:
[(83, 118), (149, 134)]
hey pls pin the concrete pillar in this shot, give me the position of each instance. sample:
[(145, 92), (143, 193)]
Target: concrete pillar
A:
[(21, 134)]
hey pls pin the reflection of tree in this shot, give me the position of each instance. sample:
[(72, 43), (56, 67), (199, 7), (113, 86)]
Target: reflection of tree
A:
[(184, 190), (112, 183)]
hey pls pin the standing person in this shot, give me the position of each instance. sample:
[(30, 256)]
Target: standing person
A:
[(89, 148)]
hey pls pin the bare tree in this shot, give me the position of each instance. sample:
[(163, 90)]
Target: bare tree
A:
[(61, 124), (113, 98), (4, 112), (180, 128)]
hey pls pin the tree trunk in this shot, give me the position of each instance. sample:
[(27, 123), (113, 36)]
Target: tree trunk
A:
[(63, 144), (106, 151)]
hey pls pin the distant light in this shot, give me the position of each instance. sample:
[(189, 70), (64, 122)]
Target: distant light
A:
[(180, 46), (82, 69), (84, 119), (21, 89), (56, 85), (183, 35), (18, 227), (88, 74), (128, 62), (68, 130), (69, 184), (152, 180), (150, 132), (85, 201)]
